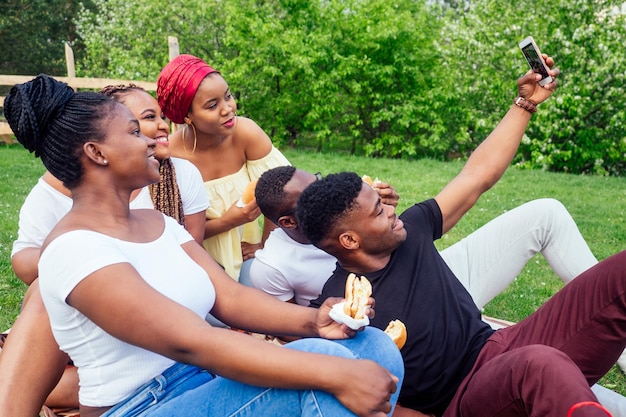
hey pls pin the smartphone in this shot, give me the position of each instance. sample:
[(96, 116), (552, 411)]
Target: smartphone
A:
[(535, 60)]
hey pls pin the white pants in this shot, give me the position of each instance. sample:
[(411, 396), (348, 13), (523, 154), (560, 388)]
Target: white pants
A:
[(489, 259)]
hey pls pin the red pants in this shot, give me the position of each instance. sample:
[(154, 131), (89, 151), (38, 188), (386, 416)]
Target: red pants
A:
[(545, 364)]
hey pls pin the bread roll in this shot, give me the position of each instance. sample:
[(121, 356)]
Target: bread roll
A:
[(248, 192), (397, 331), (368, 179)]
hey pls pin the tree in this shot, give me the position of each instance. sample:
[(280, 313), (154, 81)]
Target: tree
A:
[(33, 35), (581, 129), (399, 79)]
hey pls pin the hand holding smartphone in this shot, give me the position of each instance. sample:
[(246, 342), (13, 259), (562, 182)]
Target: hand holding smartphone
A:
[(535, 60)]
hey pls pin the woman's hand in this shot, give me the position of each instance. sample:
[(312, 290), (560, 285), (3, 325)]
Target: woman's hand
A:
[(388, 195), (528, 85), (329, 328), (241, 215), (366, 388)]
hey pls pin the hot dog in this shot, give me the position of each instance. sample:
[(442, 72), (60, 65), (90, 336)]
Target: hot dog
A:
[(358, 292)]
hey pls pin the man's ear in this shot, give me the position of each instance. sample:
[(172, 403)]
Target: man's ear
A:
[(350, 240), (287, 222), (93, 152)]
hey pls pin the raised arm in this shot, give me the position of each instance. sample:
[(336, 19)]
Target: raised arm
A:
[(491, 158)]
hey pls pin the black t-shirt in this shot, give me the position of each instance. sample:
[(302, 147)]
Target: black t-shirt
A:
[(444, 329)]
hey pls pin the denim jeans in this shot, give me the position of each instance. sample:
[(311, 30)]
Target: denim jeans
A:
[(185, 390)]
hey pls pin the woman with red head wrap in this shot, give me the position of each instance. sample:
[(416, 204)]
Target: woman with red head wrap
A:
[(229, 150)]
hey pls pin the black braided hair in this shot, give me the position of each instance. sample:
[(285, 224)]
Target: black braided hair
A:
[(324, 203), (270, 191), (51, 120), (119, 91), (165, 194)]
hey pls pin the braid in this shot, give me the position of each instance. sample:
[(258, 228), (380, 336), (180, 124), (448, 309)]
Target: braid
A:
[(166, 194), (117, 92), (53, 121)]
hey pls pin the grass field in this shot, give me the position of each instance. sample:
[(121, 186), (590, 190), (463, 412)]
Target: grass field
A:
[(598, 204)]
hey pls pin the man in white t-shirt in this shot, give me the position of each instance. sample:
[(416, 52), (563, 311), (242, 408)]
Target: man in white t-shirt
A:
[(289, 267)]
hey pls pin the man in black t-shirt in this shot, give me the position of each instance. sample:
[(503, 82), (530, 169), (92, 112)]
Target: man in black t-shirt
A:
[(455, 364)]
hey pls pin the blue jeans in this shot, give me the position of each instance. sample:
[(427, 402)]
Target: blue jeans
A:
[(185, 390), (244, 273)]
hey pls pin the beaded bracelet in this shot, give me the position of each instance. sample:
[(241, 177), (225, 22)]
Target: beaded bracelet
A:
[(525, 104)]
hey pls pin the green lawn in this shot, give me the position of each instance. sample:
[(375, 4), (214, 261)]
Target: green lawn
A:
[(598, 205)]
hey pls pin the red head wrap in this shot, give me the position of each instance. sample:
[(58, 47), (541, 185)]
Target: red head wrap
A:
[(177, 85)]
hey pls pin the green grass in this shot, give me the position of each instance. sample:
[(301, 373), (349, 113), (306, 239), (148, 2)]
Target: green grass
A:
[(598, 204)]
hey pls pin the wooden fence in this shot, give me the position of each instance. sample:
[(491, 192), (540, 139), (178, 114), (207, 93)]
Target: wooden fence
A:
[(6, 134)]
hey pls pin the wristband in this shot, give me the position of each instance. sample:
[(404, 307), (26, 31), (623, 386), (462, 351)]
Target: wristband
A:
[(525, 104)]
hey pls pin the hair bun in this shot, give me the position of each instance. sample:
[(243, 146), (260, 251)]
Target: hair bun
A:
[(30, 108)]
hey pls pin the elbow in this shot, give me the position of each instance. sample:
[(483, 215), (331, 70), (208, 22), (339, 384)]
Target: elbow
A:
[(26, 274)]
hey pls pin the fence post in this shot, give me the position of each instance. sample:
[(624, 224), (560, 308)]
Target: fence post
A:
[(69, 63), (174, 49)]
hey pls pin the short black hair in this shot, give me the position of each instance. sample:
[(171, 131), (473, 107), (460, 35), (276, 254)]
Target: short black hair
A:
[(270, 191), (325, 202)]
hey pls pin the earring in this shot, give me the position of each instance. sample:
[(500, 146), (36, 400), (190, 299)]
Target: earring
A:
[(105, 162), (195, 139)]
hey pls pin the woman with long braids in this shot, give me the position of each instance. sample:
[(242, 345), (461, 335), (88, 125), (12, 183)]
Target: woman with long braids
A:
[(179, 193), (137, 336), (229, 150)]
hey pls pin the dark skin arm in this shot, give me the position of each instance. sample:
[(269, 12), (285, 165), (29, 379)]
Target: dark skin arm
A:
[(106, 297), (492, 157)]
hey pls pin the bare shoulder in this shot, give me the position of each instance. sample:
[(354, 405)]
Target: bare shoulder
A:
[(252, 139)]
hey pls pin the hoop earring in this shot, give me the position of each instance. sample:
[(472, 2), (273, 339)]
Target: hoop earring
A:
[(195, 139)]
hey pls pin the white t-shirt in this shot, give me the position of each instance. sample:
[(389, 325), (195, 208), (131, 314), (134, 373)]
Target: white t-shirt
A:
[(110, 370), (286, 269), (192, 193), (45, 206)]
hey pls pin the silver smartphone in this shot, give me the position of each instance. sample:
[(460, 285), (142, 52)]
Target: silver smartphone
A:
[(535, 60)]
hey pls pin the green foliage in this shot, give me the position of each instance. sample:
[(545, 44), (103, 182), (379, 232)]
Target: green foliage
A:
[(581, 129), (33, 34), (19, 171), (403, 79)]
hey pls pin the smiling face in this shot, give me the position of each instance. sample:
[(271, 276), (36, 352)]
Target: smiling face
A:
[(130, 154), (377, 225), (151, 119), (213, 108)]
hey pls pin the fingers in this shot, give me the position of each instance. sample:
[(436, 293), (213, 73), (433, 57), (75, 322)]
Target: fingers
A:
[(348, 331), (548, 60)]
